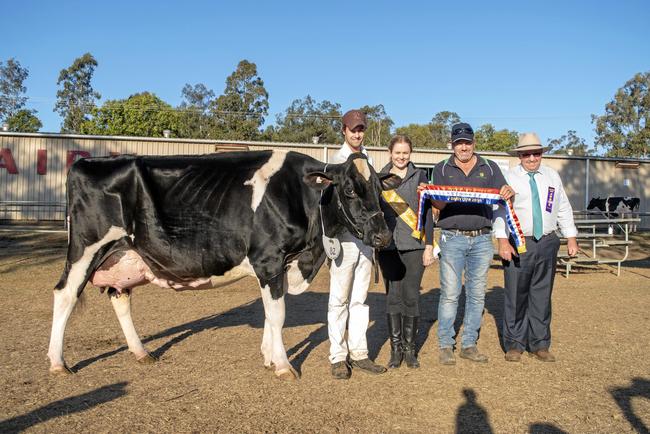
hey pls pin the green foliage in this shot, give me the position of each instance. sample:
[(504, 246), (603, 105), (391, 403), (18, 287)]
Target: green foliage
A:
[(487, 138), (76, 97), (379, 126), (306, 118), (195, 120), (624, 129), (569, 144), (421, 135), (441, 127), (12, 76), (239, 112), (24, 121), (142, 115)]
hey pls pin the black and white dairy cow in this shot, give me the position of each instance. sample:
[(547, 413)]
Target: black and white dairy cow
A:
[(613, 206), (189, 222)]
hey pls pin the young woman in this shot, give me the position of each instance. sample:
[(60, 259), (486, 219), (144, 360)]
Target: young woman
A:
[(402, 263)]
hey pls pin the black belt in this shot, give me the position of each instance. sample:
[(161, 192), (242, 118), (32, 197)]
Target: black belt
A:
[(531, 238), (471, 233)]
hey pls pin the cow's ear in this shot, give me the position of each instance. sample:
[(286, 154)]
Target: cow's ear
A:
[(389, 181), (318, 180)]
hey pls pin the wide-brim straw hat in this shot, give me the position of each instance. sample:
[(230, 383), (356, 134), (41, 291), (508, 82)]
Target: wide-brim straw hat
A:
[(528, 142)]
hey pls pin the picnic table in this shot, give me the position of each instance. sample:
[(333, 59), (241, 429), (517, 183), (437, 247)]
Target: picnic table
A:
[(601, 233)]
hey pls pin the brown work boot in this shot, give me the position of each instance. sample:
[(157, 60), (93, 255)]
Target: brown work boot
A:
[(471, 353), (513, 355), (446, 356), (368, 366), (340, 370), (543, 355)]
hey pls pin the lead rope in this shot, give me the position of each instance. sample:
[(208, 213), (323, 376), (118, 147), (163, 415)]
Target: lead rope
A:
[(320, 206)]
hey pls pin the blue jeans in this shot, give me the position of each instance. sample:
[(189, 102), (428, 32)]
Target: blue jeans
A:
[(473, 255)]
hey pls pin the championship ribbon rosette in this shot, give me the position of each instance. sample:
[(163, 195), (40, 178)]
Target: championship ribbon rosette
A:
[(483, 196)]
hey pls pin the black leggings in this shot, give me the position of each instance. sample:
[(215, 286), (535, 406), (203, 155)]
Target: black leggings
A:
[(402, 271)]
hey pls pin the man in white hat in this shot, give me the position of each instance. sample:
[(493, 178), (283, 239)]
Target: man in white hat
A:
[(541, 206)]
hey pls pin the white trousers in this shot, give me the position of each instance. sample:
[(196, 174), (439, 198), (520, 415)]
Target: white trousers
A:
[(349, 281)]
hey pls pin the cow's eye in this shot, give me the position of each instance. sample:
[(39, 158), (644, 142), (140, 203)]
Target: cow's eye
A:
[(349, 192)]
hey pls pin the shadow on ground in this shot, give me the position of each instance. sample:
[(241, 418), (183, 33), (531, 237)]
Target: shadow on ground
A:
[(73, 404), (307, 309), (640, 387)]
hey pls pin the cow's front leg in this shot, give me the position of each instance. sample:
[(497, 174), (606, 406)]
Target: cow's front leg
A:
[(122, 305), (274, 312), (267, 345)]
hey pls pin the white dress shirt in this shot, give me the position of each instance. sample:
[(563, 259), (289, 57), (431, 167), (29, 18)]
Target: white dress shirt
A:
[(556, 209), (346, 150)]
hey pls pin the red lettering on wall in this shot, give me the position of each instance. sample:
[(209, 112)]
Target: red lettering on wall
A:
[(75, 155), (7, 161), (41, 162)]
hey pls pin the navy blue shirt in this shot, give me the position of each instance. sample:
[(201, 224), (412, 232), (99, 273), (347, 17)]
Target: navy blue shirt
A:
[(467, 216)]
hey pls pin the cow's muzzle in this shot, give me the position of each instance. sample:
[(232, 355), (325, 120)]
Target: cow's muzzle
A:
[(377, 234)]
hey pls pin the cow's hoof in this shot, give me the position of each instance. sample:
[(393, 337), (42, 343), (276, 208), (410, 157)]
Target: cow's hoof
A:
[(269, 367), (60, 370), (287, 374), (147, 359)]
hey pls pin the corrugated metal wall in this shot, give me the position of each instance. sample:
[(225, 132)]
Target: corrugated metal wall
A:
[(30, 196)]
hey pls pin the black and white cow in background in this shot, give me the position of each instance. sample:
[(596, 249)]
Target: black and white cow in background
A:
[(613, 206), (191, 222)]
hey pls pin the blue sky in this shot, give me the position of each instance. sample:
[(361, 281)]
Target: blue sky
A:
[(528, 66)]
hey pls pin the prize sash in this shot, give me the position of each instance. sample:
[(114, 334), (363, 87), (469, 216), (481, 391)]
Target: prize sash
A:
[(404, 211), (483, 196)]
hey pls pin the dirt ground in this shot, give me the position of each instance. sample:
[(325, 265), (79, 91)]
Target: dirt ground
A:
[(210, 375)]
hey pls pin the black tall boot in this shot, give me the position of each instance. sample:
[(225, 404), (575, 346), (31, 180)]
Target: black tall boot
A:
[(409, 329), (395, 334)]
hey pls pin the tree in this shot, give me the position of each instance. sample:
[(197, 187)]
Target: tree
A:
[(624, 129), (487, 138), (306, 118), (239, 112), (441, 127), (24, 121), (569, 144), (379, 126), (12, 76), (142, 115), (195, 119), (421, 135), (76, 97)]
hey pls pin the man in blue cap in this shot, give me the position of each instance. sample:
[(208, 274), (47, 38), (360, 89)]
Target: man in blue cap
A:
[(465, 243)]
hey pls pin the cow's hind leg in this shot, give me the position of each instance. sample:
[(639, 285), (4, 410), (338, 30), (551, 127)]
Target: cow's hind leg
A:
[(122, 305), (64, 302), (274, 311), (68, 290)]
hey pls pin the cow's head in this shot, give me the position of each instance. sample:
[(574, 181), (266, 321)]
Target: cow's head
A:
[(597, 203), (351, 197)]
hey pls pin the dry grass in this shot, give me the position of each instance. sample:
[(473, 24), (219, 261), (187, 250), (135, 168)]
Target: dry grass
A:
[(210, 375)]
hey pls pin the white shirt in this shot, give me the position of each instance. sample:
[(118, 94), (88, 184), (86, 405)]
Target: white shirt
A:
[(556, 209), (346, 150)]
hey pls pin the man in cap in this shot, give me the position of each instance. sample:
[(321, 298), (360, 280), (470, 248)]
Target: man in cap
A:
[(541, 206), (465, 243), (350, 279)]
